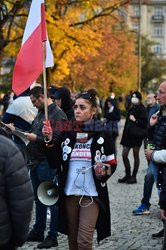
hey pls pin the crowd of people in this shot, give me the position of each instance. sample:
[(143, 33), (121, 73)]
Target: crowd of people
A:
[(76, 147)]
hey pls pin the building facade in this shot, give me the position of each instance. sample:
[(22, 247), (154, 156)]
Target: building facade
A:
[(153, 22)]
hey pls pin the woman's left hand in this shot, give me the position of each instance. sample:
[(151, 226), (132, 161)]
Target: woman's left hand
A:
[(100, 170)]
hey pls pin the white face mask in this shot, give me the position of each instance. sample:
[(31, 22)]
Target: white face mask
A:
[(135, 100)]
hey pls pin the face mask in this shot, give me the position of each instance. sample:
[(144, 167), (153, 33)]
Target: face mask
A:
[(134, 100)]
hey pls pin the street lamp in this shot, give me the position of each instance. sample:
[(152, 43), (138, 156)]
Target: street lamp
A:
[(139, 49)]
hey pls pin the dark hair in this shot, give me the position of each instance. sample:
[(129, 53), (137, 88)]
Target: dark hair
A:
[(138, 95), (36, 91), (63, 93), (52, 89), (89, 95)]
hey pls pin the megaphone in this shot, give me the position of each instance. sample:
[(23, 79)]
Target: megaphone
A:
[(48, 193)]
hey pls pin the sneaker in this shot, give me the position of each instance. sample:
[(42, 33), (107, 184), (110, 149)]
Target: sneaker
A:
[(158, 235), (33, 236), (141, 210), (48, 243)]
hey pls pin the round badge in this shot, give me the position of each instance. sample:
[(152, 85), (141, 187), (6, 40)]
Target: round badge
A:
[(67, 141), (102, 150), (103, 184), (65, 157), (68, 150), (65, 149), (98, 152), (100, 140), (103, 158), (97, 158)]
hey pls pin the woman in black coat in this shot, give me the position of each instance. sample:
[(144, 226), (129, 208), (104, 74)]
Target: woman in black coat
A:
[(84, 161), (133, 134)]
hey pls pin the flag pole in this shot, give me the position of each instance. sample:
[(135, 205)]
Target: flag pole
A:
[(45, 81), (44, 39)]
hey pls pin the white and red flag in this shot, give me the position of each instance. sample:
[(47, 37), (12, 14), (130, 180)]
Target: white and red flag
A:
[(29, 63)]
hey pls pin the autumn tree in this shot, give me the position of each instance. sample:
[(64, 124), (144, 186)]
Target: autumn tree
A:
[(153, 67), (75, 34), (115, 64)]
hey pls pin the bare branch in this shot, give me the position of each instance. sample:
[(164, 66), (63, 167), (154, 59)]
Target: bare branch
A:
[(105, 12)]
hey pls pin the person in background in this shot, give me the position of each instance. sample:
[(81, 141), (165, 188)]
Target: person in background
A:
[(20, 114), (39, 168), (157, 137), (159, 158), (152, 106), (16, 196), (135, 126), (62, 98), (85, 161), (143, 209), (52, 89), (113, 115)]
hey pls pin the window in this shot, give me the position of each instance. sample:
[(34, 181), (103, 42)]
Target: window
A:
[(135, 27), (157, 49), (158, 11), (136, 11), (158, 30)]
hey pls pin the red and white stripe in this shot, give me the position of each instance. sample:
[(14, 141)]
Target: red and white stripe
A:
[(110, 159), (29, 63)]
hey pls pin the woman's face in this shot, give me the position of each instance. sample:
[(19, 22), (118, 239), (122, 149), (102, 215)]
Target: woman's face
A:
[(83, 110)]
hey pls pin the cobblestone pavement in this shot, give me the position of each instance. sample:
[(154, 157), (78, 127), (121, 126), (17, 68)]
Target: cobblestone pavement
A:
[(129, 232)]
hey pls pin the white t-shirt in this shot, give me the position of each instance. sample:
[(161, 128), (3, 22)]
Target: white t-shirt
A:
[(80, 177)]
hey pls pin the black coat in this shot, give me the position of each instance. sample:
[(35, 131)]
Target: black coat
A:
[(139, 112), (16, 195), (36, 149), (56, 161)]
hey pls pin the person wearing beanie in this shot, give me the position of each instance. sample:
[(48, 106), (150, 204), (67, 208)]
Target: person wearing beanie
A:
[(62, 98), (135, 130)]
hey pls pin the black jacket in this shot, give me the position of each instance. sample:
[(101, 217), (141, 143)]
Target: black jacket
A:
[(36, 149), (55, 159), (16, 195), (139, 112)]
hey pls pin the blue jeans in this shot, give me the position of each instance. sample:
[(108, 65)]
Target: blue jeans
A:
[(43, 173), (150, 178)]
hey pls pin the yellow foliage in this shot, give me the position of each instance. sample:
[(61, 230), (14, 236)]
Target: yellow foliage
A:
[(92, 53)]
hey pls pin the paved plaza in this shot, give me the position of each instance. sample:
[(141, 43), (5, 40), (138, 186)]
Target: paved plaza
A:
[(129, 232)]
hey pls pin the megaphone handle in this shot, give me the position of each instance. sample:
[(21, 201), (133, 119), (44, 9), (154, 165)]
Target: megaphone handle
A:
[(55, 180)]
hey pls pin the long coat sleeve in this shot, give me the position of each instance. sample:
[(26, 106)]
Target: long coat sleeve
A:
[(16, 195)]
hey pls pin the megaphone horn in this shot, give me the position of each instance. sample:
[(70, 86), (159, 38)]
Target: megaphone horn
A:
[(48, 193)]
